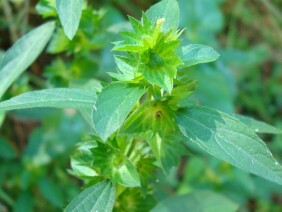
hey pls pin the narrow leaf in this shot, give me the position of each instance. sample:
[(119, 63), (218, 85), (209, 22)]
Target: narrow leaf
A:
[(54, 97), (69, 13), (258, 126), (113, 105), (167, 9), (196, 53), (197, 201), (228, 139), (23, 53), (99, 197)]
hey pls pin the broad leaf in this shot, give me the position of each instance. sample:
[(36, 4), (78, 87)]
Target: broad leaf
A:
[(197, 201), (23, 53), (69, 13), (113, 105), (99, 197), (54, 97), (196, 53), (167, 9), (228, 139), (258, 126)]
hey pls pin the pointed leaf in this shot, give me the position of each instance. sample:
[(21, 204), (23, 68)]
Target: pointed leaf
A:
[(168, 150), (113, 105), (226, 138), (258, 126), (197, 201), (167, 9), (23, 53), (196, 53), (99, 197), (54, 97), (69, 13)]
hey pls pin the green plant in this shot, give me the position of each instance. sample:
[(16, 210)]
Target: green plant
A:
[(145, 117)]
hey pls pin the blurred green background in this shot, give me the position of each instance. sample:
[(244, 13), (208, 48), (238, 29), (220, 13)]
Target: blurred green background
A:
[(35, 145)]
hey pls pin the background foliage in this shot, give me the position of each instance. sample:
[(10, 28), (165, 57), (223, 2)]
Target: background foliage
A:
[(35, 144)]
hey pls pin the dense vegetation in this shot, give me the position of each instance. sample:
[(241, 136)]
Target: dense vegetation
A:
[(143, 97)]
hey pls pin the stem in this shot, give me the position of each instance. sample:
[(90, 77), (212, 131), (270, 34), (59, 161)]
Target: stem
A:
[(9, 17), (25, 17), (6, 198), (272, 9)]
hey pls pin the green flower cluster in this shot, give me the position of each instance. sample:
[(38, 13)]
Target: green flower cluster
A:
[(149, 53)]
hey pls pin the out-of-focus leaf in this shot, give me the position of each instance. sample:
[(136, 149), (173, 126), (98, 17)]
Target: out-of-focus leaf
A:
[(197, 201), (132, 199), (58, 43), (167, 9), (44, 147), (2, 117), (113, 105), (51, 192), (46, 8), (24, 202), (6, 150), (99, 197), (258, 126), (53, 97), (202, 19), (196, 53), (23, 53), (226, 138), (215, 86), (69, 13)]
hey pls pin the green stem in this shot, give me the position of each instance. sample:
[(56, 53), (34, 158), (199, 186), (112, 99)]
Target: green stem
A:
[(6, 198), (9, 17)]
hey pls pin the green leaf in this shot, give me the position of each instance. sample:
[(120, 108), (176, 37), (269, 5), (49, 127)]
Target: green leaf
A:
[(51, 192), (69, 13), (168, 150), (197, 201), (54, 97), (23, 53), (25, 202), (125, 69), (46, 8), (2, 117), (58, 43), (113, 105), (196, 53), (258, 126), (228, 139), (167, 9), (6, 150), (99, 197)]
